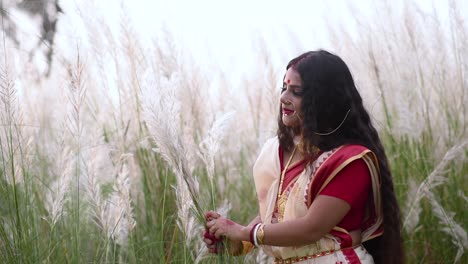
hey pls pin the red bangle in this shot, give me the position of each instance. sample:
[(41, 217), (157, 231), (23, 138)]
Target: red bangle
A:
[(252, 233)]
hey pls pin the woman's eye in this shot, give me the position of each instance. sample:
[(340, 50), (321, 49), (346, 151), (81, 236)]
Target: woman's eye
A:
[(298, 92), (282, 89)]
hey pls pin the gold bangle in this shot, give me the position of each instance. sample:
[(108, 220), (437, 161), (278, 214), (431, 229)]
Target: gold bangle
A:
[(260, 234)]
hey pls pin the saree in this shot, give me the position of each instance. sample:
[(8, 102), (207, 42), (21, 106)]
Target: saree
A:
[(336, 246)]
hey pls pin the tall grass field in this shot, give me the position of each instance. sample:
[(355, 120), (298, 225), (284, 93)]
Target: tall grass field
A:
[(111, 154)]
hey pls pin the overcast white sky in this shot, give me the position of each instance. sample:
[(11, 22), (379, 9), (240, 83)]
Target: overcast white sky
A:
[(225, 32)]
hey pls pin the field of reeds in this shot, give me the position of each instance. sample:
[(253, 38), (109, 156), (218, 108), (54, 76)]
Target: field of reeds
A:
[(111, 157)]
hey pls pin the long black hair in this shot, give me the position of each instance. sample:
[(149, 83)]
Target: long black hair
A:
[(333, 114)]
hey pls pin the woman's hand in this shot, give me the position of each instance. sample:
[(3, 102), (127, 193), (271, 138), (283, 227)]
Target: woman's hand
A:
[(219, 245), (212, 243), (221, 226)]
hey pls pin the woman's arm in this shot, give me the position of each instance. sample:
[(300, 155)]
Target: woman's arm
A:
[(324, 214), (235, 246)]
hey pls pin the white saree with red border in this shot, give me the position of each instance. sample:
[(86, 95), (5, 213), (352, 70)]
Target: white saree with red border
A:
[(336, 246)]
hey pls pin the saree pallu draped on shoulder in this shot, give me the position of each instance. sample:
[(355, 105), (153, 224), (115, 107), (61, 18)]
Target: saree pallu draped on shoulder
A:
[(301, 195)]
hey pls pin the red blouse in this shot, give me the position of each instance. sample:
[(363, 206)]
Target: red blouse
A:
[(352, 185)]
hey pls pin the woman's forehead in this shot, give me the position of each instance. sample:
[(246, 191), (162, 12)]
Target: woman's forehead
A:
[(292, 77)]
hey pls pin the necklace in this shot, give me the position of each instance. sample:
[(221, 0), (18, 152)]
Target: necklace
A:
[(282, 198)]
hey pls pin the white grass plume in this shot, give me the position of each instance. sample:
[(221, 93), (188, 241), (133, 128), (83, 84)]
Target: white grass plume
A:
[(187, 223), (119, 209), (163, 120), (11, 136), (114, 214), (412, 213), (56, 195), (97, 207), (458, 235), (224, 208), (162, 115), (77, 99), (210, 145), (434, 179)]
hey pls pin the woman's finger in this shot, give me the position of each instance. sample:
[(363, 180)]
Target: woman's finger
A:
[(210, 215), (218, 233), (210, 223), (208, 235), (213, 230), (208, 242)]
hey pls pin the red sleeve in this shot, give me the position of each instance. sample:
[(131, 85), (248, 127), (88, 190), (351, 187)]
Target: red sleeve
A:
[(352, 184)]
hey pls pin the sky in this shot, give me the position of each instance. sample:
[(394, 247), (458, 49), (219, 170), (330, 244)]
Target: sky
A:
[(225, 33), (224, 30)]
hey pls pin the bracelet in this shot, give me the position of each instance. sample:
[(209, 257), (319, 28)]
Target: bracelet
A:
[(252, 233), (260, 234), (257, 226)]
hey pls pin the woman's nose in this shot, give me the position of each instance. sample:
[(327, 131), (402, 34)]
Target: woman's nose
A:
[(284, 98)]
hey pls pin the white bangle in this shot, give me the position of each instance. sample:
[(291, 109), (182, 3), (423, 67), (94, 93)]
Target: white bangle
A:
[(255, 236)]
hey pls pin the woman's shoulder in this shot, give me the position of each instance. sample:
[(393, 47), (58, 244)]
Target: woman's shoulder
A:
[(343, 154), (351, 150), (270, 144), (272, 141), (269, 149), (267, 162), (332, 162)]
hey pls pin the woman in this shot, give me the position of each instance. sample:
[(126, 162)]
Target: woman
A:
[(324, 186)]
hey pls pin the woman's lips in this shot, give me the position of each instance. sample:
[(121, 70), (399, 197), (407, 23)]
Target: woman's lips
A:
[(287, 111)]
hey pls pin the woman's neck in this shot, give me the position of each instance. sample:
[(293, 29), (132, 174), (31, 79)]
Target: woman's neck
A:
[(297, 139)]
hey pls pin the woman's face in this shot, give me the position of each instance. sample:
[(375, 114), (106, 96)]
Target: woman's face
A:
[(291, 99)]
